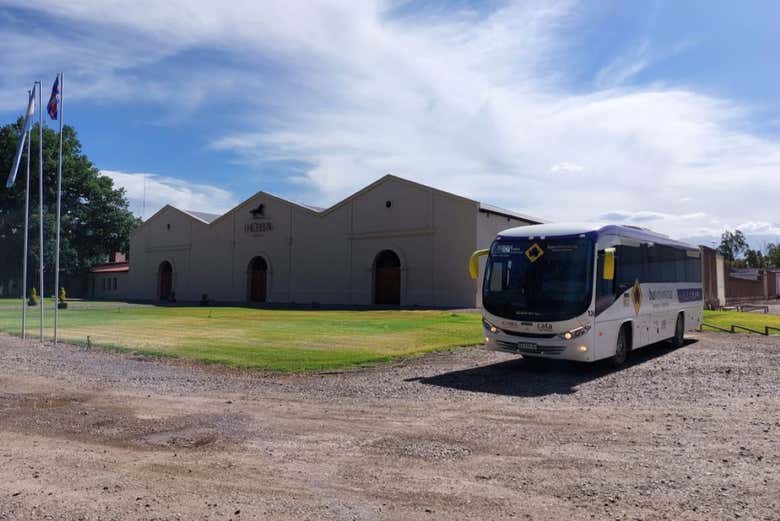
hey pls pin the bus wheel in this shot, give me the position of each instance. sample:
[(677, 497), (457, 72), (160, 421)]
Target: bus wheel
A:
[(679, 332), (621, 349)]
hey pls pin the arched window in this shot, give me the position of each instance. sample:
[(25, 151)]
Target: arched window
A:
[(387, 279)]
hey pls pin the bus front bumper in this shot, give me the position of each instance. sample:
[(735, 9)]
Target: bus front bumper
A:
[(579, 349)]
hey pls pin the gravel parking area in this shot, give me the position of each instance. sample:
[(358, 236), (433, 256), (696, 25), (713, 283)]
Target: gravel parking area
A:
[(680, 434)]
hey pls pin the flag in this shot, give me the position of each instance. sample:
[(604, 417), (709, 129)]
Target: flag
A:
[(25, 128), (54, 100)]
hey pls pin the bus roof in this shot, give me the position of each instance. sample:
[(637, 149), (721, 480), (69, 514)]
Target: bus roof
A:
[(568, 229)]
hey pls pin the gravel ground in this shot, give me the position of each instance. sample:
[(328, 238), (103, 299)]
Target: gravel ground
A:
[(680, 434)]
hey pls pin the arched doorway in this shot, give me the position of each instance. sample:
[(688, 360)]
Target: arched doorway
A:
[(166, 280), (387, 279), (258, 280)]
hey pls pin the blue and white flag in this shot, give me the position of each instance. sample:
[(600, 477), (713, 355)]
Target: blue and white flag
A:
[(25, 128)]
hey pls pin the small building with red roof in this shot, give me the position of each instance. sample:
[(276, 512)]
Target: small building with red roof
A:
[(109, 281)]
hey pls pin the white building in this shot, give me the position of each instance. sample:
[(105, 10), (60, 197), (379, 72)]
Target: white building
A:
[(395, 242)]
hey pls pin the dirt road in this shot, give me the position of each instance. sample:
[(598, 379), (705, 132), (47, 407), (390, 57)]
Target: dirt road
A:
[(680, 434)]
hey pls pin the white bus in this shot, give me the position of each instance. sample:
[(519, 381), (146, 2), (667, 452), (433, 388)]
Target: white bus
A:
[(587, 292)]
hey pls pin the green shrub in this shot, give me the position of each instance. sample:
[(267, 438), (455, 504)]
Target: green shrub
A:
[(33, 301), (62, 302)]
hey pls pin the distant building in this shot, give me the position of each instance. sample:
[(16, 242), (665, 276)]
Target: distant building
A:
[(109, 281), (393, 243), (724, 285), (744, 285), (713, 278)]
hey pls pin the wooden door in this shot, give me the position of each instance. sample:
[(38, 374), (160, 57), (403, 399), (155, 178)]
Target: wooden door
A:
[(166, 281), (387, 279), (258, 280), (258, 285)]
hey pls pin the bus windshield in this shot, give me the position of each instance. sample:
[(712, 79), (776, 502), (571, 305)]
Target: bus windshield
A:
[(539, 279)]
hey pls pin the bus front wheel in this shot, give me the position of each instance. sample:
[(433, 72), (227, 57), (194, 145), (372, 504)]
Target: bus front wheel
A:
[(621, 349)]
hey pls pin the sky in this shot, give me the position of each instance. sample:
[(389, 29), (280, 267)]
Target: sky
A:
[(660, 114)]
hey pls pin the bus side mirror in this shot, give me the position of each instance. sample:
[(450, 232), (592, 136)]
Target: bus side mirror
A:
[(609, 264), (474, 263)]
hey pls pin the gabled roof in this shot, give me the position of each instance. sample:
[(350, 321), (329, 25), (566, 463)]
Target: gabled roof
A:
[(203, 216), (509, 213), (209, 218)]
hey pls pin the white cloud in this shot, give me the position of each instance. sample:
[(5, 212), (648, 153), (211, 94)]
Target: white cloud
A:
[(648, 216), (565, 168), (148, 193), (624, 67), (765, 228), (629, 64), (469, 103)]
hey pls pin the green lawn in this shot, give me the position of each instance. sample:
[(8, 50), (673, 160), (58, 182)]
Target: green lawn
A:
[(756, 321), (276, 340)]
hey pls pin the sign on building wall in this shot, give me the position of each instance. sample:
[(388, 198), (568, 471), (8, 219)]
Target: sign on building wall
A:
[(260, 223)]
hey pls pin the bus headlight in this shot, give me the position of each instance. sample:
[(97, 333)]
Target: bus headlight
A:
[(490, 327), (574, 333)]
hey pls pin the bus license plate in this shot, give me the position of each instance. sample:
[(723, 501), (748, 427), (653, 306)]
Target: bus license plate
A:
[(527, 346)]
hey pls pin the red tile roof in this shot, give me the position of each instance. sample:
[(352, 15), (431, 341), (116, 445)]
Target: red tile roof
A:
[(114, 267)]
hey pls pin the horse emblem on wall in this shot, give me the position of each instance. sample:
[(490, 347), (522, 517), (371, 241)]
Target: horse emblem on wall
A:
[(259, 212), (257, 229)]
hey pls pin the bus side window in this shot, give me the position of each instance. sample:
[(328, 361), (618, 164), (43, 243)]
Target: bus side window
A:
[(629, 267), (693, 269)]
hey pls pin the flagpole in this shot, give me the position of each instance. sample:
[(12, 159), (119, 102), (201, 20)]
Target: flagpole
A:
[(40, 197), (26, 235), (59, 204)]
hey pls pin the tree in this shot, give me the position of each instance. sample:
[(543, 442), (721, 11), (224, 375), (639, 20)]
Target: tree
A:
[(732, 245), (754, 259), (96, 220), (773, 255)]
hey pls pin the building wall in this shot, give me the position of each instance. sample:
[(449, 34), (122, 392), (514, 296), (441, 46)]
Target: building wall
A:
[(165, 237), (772, 288), (320, 258), (709, 259), (273, 245), (741, 289), (720, 266), (110, 286), (738, 289)]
